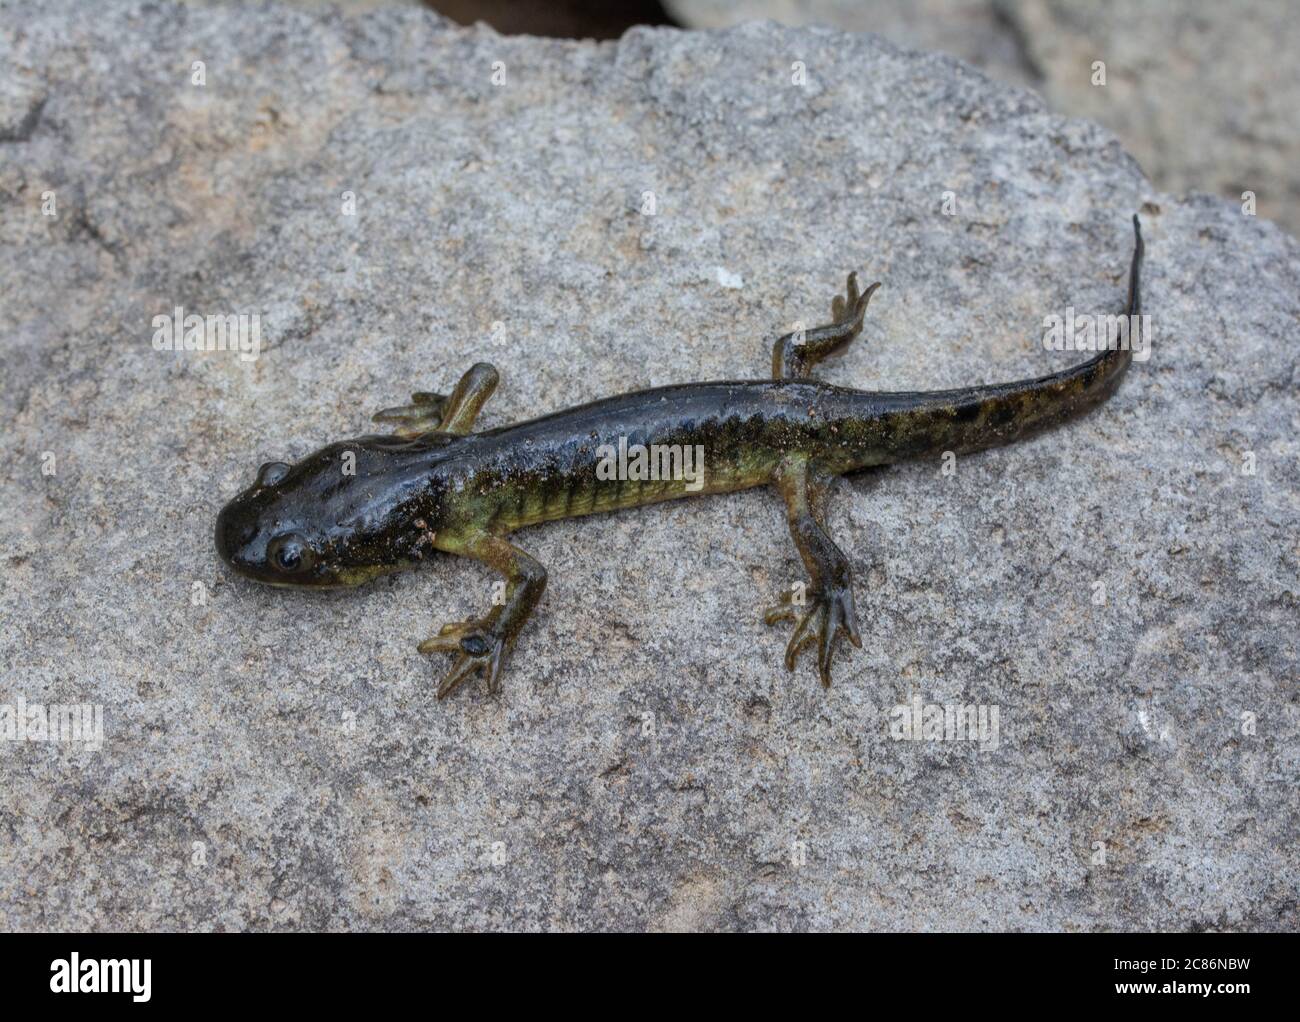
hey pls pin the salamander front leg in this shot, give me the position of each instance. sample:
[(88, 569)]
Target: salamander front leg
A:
[(828, 610), (444, 413), (422, 415), (482, 645)]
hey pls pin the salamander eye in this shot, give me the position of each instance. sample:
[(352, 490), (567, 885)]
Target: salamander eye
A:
[(290, 553), (271, 473)]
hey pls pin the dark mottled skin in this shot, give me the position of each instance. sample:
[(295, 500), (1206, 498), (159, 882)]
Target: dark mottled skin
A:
[(381, 503)]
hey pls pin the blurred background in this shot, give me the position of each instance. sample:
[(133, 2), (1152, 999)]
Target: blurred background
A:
[(1204, 93)]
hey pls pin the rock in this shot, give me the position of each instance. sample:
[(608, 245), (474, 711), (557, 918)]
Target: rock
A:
[(1121, 591), (977, 31), (1204, 94)]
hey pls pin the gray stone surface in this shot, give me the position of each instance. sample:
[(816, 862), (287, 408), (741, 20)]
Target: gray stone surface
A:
[(1203, 92), (296, 738), (978, 31)]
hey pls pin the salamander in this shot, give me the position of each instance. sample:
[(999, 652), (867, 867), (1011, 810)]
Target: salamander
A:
[(380, 503)]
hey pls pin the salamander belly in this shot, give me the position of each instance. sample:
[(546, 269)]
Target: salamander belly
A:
[(639, 449), (613, 487)]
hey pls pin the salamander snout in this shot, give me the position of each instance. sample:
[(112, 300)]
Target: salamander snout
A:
[(253, 536), (241, 542), (331, 520), (231, 535)]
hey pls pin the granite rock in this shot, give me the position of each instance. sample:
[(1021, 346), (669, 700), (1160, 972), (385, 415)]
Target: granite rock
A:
[(1121, 591), (1203, 93)]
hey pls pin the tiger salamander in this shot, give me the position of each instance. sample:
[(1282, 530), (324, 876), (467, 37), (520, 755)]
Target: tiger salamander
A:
[(380, 503)]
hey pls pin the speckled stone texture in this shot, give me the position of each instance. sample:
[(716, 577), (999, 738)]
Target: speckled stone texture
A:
[(980, 32), (1122, 591), (1203, 93)]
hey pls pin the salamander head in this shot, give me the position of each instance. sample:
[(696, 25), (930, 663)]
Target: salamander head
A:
[(314, 525)]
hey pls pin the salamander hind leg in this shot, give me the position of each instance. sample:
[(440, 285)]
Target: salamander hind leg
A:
[(481, 645), (793, 356), (444, 413), (826, 612)]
